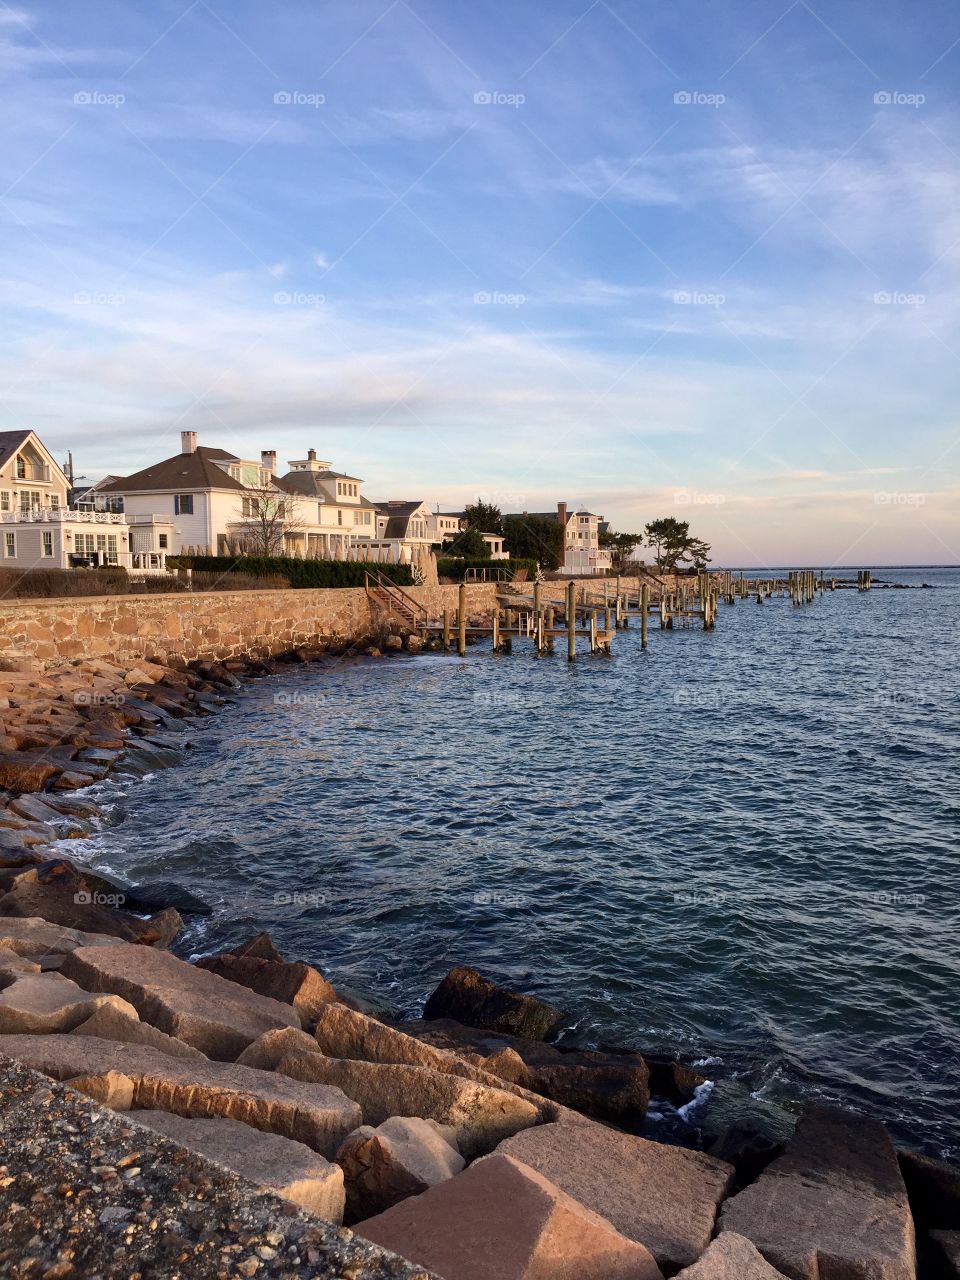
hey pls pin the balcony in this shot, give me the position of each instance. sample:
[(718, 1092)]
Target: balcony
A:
[(32, 472), (61, 515)]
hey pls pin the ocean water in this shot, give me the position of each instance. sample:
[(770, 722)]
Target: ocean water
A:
[(740, 847)]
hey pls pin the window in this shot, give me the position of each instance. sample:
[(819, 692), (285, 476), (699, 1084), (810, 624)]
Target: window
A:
[(54, 501), (21, 468), (339, 516), (11, 545), (5, 500), (47, 543), (183, 504), (111, 548), (162, 538)]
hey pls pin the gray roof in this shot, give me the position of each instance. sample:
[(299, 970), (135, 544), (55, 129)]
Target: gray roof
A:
[(196, 470), (306, 481), (11, 441)]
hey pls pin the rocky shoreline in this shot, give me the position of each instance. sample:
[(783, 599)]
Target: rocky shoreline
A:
[(467, 1141)]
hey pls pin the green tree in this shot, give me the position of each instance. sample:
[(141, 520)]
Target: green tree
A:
[(484, 516), (468, 544), (673, 544), (621, 546), (539, 538)]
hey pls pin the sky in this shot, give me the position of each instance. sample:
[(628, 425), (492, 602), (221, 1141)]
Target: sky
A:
[(695, 259)]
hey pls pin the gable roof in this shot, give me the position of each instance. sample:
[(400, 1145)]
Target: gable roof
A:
[(196, 470), (11, 442), (306, 481), (399, 514)]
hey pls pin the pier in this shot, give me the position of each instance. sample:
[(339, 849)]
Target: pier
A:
[(586, 617)]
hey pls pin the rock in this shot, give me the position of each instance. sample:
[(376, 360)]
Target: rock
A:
[(293, 983), (502, 1219), (731, 1257), (35, 810), (111, 1089), (26, 770), (73, 780), (663, 1197), (608, 1086), (480, 1116), (749, 1145), (318, 1116), (110, 1023), (834, 1203), (944, 1254), (273, 1046), (12, 966), (215, 1016), (259, 947), (933, 1188), (280, 1165), (35, 937), (672, 1080), (414, 644), (466, 996), (42, 1003), (393, 642), (401, 1157), (73, 905), (72, 806), (165, 894)]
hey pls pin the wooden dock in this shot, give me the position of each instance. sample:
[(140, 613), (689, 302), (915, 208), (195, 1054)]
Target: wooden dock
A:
[(543, 612)]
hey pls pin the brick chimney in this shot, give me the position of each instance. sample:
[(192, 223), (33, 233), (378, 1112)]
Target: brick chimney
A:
[(268, 460), (562, 514), (311, 455), (188, 442)]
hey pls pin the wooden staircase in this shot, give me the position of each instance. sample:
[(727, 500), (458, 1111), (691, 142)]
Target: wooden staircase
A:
[(393, 600)]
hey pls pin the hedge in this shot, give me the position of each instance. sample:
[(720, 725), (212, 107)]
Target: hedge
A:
[(456, 568), (299, 573)]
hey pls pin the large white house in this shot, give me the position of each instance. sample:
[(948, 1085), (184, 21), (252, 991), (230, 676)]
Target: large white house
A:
[(582, 553), (39, 531)]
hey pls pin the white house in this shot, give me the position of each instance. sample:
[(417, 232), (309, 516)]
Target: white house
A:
[(582, 555), (443, 527)]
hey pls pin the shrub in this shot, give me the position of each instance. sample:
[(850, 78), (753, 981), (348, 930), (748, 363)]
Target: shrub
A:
[(287, 571)]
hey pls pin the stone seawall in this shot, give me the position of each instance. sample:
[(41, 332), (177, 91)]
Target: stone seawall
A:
[(219, 624)]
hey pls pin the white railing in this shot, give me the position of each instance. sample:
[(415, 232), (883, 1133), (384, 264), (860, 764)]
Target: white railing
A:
[(60, 515)]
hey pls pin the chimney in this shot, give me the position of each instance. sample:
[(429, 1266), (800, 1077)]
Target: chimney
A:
[(562, 514), (188, 442), (268, 460), (311, 455)]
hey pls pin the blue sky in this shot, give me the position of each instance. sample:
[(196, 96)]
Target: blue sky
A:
[(695, 260)]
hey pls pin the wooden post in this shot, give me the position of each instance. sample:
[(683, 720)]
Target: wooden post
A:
[(644, 614), (571, 622), (496, 630), (462, 621), (550, 620), (446, 628), (593, 631), (536, 599), (606, 618)]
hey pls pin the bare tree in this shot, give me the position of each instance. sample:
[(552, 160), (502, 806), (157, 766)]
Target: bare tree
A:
[(269, 516)]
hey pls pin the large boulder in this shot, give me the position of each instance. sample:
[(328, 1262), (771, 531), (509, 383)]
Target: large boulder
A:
[(466, 996), (401, 1157), (214, 1015), (68, 901), (933, 1188), (731, 1257), (32, 936), (663, 1197), (480, 1116), (13, 966), (833, 1203), (268, 1050), (944, 1254), (110, 1023), (292, 983), (317, 1115), (43, 1003), (26, 770), (608, 1086), (280, 1165), (502, 1219)]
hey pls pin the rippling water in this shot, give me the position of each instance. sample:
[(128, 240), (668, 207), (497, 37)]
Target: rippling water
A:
[(740, 846)]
